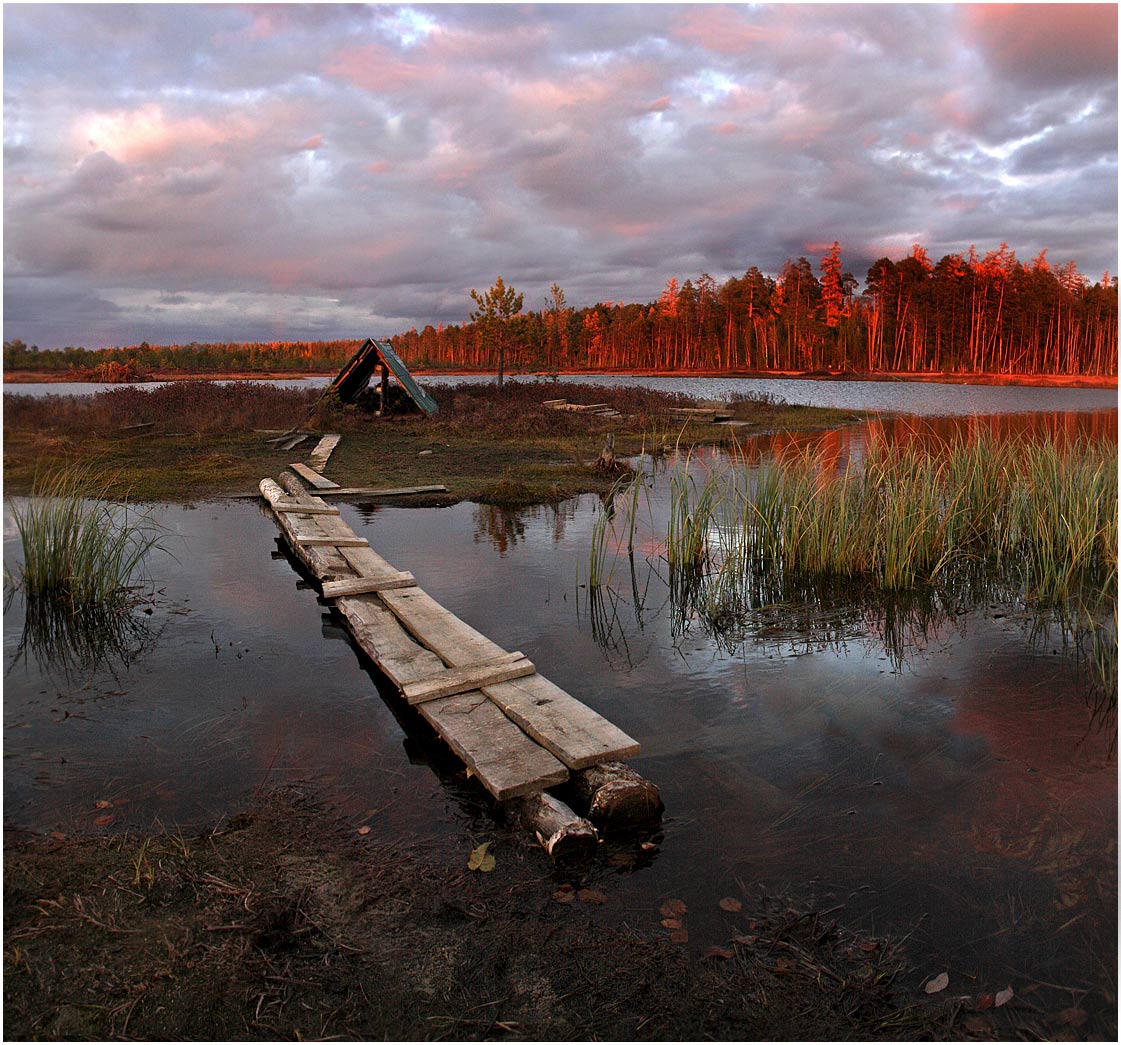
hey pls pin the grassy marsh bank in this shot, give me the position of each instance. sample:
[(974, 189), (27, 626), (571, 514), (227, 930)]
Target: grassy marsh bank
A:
[(195, 439)]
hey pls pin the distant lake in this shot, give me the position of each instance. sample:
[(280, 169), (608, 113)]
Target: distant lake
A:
[(910, 397)]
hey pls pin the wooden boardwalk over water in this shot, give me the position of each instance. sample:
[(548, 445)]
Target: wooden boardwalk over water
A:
[(517, 732)]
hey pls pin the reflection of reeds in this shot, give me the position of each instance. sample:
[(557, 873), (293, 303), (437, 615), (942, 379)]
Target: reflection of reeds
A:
[(60, 640)]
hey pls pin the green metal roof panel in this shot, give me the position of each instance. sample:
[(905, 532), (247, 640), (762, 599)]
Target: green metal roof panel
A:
[(408, 382)]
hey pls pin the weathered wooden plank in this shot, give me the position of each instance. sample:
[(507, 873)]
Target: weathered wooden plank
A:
[(320, 482), (506, 762), (368, 583), (305, 509), (334, 540), (325, 563), (572, 731), (460, 680), (373, 491), (554, 403), (291, 442), (365, 561), (439, 629), (382, 638), (318, 458)]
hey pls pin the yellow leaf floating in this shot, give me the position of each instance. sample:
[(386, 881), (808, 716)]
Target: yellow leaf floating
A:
[(480, 859)]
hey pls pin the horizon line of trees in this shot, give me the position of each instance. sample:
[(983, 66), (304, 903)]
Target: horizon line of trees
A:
[(966, 314)]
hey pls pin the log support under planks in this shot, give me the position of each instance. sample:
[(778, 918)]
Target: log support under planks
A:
[(562, 834), (616, 796)]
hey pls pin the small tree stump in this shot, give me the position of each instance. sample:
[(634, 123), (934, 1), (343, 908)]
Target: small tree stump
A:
[(606, 460)]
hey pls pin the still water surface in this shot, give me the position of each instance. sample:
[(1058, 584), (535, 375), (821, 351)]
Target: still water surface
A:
[(964, 793), (909, 397)]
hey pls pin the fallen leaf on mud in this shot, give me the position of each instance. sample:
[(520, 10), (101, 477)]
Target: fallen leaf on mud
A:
[(103, 821), (648, 846), (480, 859), (983, 1002), (868, 946), (783, 965), (101, 803), (58, 836), (747, 941), (717, 952), (671, 923), (1003, 997), (1073, 1017), (364, 829), (977, 1024), (591, 896), (939, 983), (673, 908), (731, 904), (679, 936), (565, 894)]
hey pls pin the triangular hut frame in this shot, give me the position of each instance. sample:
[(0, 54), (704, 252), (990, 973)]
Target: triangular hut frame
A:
[(355, 376)]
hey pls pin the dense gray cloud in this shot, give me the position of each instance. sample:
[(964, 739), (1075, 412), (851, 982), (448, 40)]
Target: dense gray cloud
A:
[(179, 173)]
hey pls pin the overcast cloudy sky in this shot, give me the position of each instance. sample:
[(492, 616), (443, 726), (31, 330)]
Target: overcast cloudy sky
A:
[(179, 173)]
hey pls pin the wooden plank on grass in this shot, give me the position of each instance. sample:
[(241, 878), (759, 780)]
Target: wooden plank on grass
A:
[(320, 482), (317, 459), (367, 584), (459, 680), (291, 443), (572, 731), (374, 491)]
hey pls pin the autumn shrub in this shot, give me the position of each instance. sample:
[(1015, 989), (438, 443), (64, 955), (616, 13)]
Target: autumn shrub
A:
[(193, 407)]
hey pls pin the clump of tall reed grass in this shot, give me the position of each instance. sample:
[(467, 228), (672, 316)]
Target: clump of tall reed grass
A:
[(904, 514), (83, 555)]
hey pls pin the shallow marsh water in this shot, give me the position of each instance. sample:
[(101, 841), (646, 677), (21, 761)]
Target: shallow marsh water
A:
[(964, 795)]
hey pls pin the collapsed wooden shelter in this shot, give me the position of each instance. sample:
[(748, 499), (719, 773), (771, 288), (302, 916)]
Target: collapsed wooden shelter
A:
[(378, 357)]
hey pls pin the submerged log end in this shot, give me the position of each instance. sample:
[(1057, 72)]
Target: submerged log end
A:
[(562, 834), (616, 795)]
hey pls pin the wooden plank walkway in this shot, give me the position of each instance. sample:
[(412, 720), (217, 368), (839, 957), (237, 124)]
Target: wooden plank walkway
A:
[(317, 459), (515, 730)]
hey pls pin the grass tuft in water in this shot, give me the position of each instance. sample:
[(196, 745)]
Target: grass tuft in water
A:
[(82, 554)]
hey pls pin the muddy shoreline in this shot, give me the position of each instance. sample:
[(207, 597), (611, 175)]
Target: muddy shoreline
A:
[(288, 921)]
